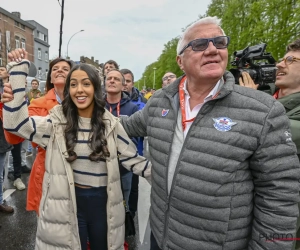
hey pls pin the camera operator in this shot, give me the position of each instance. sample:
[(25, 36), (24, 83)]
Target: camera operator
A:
[(286, 88), (287, 91)]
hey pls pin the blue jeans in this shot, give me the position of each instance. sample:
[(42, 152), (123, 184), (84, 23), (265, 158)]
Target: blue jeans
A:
[(2, 165), (92, 217), (29, 148), (126, 185)]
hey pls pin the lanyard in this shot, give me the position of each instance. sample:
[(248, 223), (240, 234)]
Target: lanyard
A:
[(182, 103), (276, 94), (118, 108)]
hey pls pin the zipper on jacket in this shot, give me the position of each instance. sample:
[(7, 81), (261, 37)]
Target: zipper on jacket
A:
[(167, 182), (48, 180), (47, 191), (174, 127), (171, 190), (68, 180), (166, 225)]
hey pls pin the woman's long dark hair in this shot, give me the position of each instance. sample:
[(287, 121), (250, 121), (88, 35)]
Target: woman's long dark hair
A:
[(97, 140)]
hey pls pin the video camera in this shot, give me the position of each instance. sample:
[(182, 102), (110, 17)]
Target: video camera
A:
[(262, 73)]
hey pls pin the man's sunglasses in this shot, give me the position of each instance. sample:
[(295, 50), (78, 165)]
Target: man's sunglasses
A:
[(220, 42)]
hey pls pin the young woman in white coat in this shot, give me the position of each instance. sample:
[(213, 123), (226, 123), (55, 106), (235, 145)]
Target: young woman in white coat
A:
[(82, 197)]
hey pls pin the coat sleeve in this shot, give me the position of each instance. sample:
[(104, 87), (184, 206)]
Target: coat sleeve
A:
[(15, 113), (276, 173), (9, 137), (129, 157), (295, 129), (135, 125)]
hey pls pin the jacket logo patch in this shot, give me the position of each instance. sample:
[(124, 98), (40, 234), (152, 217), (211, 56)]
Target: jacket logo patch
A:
[(223, 124), (288, 136), (164, 112)]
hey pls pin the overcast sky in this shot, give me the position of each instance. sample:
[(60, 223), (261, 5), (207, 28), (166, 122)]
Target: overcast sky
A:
[(131, 32)]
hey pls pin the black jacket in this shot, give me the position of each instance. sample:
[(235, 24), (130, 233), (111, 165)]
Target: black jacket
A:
[(4, 145), (127, 108)]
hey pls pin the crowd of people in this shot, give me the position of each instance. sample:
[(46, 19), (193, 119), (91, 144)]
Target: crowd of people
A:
[(223, 157)]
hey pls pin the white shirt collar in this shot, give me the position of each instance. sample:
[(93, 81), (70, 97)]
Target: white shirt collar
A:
[(57, 98), (211, 94)]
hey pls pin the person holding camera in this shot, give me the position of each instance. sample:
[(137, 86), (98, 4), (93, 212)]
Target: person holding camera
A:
[(286, 90)]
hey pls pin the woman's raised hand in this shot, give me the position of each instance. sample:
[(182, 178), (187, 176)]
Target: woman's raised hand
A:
[(18, 55)]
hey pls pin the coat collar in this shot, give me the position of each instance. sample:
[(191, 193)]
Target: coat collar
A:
[(290, 101), (227, 88), (50, 95)]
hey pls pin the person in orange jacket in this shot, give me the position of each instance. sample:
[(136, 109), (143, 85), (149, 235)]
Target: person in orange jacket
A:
[(58, 71)]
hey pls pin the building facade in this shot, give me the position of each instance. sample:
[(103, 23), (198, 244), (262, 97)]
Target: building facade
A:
[(93, 62), (15, 33), (41, 49)]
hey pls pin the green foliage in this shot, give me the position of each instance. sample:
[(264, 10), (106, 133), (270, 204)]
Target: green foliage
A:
[(247, 22), (166, 62), (250, 22)]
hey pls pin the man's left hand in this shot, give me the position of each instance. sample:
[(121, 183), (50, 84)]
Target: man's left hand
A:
[(246, 81)]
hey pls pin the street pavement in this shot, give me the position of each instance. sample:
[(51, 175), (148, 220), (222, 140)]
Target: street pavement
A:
[(18, 230)]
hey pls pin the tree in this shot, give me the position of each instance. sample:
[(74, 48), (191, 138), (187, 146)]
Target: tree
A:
[(250, 22), (165, 62), (247, 22)]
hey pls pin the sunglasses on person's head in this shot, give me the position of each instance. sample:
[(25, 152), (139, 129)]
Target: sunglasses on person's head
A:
[(220, 42)]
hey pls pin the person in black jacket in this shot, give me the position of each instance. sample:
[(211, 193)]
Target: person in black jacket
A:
[(119, 104), (138, 99), (4, 148), (16, 151)]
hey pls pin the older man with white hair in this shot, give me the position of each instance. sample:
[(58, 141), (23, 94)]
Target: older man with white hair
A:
[(225, 172)]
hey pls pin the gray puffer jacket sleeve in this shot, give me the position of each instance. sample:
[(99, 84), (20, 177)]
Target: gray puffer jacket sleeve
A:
[(276, 174), (136, 124)]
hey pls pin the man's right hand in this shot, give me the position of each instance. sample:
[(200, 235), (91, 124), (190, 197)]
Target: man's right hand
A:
[(7, 94)]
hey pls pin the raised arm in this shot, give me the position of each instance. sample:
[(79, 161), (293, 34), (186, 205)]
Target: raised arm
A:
[(7, 96), (135, 125), (15, 113), (129, 157)]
